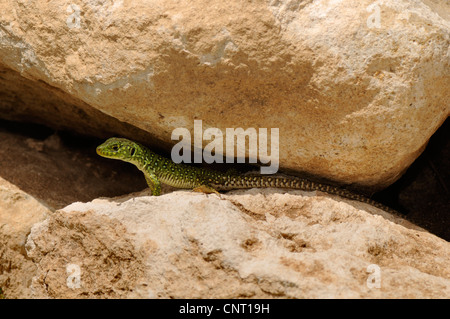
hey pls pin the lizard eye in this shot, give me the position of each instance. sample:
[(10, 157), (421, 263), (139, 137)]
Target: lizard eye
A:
[(115, 147), (132, 151)]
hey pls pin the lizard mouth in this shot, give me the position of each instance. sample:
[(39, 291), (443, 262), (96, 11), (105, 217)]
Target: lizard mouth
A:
[(100, 151), (105, 152)]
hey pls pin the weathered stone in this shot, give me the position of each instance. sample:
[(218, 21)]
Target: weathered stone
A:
[(18, 213), (263, 244), (356, 89)]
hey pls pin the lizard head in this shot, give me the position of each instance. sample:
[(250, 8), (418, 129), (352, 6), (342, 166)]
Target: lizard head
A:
[(118, 148)]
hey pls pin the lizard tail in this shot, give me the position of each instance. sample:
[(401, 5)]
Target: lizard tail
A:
[(259, 181)]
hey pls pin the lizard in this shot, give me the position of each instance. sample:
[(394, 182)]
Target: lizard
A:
[(158, 169)]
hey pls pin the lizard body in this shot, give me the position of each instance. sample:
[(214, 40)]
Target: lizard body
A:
[(158, 169)]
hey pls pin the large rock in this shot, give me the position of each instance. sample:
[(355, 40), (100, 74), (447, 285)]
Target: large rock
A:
[(263, 244), (355, 89), (18, 213)]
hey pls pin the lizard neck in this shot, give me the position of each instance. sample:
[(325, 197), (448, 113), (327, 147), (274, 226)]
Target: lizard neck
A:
[(143, 158)]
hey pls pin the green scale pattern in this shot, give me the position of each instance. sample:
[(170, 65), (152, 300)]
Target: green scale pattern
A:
[(158, 169)]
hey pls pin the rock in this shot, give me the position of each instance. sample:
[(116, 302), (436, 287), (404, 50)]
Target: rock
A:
[(29, 101), (18, 212), (356, 90), (249, 244)]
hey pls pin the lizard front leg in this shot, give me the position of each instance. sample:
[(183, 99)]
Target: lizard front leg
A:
[(154, 183)]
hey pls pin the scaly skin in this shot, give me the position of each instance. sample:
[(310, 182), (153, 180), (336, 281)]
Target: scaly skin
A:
[(158, 169)]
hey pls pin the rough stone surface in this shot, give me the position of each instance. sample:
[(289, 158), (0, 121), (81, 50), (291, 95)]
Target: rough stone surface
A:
[(28, 101), (356, 98), (18, 213), (248, 244)]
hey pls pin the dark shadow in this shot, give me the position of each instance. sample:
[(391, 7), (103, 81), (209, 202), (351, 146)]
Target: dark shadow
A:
[(422, 193)]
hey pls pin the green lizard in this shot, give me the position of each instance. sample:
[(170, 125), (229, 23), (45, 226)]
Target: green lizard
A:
[(158, 169)]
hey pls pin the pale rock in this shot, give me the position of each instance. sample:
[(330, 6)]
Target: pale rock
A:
[(246, 244), (356, 88), (18, 213)]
